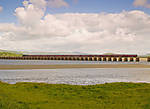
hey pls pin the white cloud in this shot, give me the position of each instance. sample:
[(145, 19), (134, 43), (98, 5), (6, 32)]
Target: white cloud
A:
[(57, 3), (38, 3), (31, 14), (1, 8), (125, 32), (142, 3)]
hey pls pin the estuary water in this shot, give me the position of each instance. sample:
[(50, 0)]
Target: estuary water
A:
[(56, 62), (83, 76), (76, 76)]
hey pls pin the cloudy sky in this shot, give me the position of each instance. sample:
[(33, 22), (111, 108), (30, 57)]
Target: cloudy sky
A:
[(89, 26)]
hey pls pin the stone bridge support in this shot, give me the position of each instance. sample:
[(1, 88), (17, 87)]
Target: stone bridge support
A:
[(114, 59), (90, 58), (99, 59), (119, 59), (125, 59), (104, 59), (137, 59), (109, 59), (131, 59)]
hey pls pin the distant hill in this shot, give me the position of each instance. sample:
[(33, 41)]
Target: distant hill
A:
[(5, 53), (17, 52), (109, 53), (147, 55), (54, 53), (43, 53)]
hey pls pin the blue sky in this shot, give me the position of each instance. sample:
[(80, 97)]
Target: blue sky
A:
[(82, 6), (90, 26)]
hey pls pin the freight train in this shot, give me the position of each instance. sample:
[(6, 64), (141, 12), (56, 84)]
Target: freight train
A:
[(115, 55)]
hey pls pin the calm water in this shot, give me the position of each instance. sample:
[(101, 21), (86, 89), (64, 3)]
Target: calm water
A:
[(76, 76), (73, 76), (50, 62)]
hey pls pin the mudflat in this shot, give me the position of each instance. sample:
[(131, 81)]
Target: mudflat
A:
[(65, 66)]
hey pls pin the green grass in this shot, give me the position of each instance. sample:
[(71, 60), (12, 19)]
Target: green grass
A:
[(9, 54), (47, 96)]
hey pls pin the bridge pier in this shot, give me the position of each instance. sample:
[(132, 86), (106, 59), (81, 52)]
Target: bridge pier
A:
[(84, 58)]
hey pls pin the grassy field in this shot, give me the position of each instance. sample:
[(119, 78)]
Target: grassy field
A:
[(9, 54), (47, 96)]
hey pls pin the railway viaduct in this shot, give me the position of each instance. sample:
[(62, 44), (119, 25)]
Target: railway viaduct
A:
[(108, 58)]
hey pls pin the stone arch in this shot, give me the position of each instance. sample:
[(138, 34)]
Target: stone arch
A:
[(114, 59), (90, 58), (104, 59), (131, 59), (74, 58), (44, 58), (95, 58), (69, 58), (58, 58), (78, 58), (62, 58), (148, 59), (86, 58), (109, 59), (82, 59), (120, 59), (137, 59), (125, 59), (51, 58), (99, 59), (55, 58)]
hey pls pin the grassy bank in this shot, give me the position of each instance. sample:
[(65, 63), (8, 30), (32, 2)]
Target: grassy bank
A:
[(47, 96)]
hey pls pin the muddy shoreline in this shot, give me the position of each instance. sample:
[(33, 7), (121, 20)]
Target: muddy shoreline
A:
[(66, 66)]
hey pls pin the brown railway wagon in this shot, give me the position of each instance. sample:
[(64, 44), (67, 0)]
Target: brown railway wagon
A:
[(80, 55)]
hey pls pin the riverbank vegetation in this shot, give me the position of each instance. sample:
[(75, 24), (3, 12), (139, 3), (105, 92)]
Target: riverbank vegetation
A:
[(48, 96), (10, 54)]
